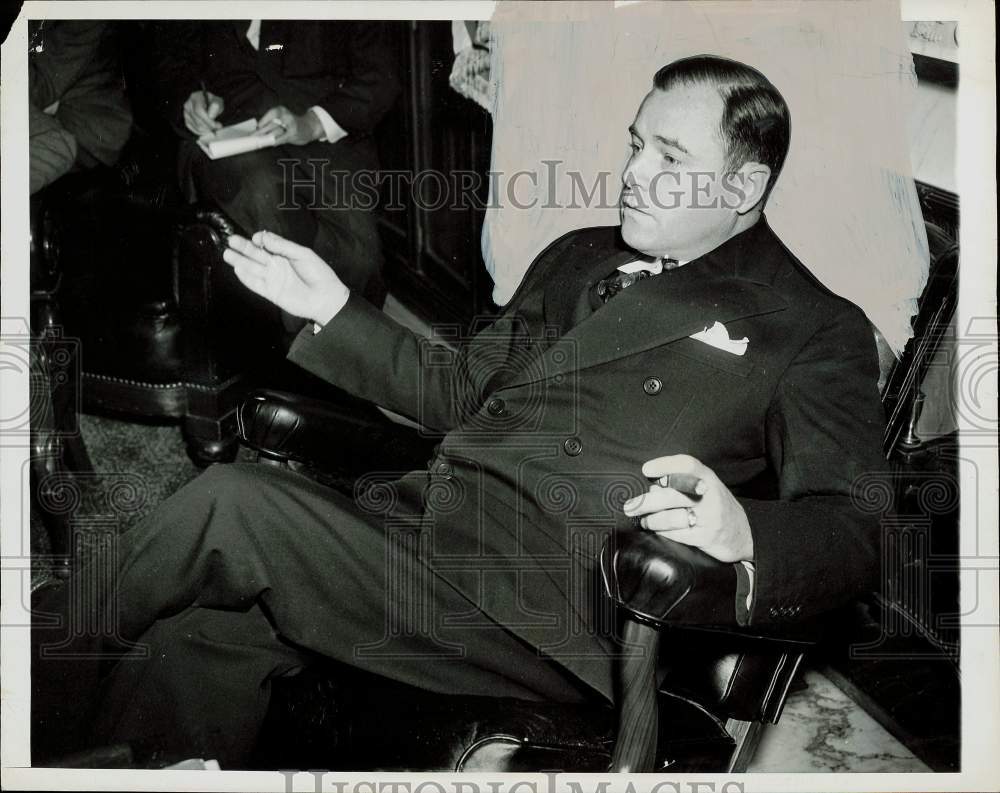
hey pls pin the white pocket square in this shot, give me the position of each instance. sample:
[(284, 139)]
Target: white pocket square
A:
[(717, 336)]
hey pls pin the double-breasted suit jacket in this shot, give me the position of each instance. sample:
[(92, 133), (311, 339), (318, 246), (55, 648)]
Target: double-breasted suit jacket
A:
[(551, 410)]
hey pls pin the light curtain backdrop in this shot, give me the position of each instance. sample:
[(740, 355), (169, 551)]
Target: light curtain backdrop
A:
[(567, 78)]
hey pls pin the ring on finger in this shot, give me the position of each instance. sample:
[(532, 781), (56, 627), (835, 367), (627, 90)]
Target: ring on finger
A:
[(692, 517)]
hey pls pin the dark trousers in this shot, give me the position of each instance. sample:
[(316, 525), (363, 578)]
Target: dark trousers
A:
[(320, 195), (242, 575)]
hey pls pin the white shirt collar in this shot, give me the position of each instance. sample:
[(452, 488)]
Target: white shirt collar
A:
[(655, 266)]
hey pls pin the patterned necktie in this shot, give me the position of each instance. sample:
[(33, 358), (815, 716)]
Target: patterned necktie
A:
[(614, 284)]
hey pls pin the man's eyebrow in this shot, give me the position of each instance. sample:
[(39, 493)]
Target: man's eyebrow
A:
[(673, 143)]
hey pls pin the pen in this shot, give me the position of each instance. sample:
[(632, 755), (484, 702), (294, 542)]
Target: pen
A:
[(204, 94)]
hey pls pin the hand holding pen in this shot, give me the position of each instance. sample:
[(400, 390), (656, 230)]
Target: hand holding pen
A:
[(201, 110)]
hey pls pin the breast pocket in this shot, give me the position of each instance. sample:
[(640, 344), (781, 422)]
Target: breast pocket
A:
[(705, 354)]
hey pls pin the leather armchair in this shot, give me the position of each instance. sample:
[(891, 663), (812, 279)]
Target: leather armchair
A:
[(137, 277)]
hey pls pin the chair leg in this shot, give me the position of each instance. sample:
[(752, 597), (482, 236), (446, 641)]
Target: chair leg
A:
[(209, 424), (747, 735), (76, 455), (210, 441), (48, 500)]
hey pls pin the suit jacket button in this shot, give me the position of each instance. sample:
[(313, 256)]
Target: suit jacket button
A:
[(496, 407), (652, 385), (572, 446)]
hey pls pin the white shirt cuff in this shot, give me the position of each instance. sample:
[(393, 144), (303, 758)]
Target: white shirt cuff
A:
[(750, 574), (332, 131)]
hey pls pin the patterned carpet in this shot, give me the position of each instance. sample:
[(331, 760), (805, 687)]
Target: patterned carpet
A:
[(136, 466)]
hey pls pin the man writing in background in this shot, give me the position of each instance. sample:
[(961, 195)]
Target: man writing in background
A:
[(685, 354), (320, 87)]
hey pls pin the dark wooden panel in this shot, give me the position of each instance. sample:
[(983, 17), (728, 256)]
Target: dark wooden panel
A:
[(435, 151)]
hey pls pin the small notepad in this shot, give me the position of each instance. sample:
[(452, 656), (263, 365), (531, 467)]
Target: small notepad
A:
[(235, 139)]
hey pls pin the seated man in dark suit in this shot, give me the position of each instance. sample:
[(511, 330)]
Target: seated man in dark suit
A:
[(78, 114), (321, 87), (684, 361)]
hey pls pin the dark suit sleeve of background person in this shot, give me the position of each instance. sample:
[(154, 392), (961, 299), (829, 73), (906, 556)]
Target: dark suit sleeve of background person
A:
[(79, 67), (347, 68), (815, 546), (177, 58), (67, 48), (360, 100)]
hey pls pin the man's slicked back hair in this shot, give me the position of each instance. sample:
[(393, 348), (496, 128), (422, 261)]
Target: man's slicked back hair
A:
[(756, 126)]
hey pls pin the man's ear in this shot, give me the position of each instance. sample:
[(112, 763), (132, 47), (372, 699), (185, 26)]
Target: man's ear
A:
[(748, 186)]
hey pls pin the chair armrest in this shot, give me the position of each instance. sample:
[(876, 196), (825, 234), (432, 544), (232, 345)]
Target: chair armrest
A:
[(739, 672), (290, 427), (219, 225), (664, 583)]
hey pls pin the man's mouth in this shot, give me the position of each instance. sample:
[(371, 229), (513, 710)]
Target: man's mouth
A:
[(629, 201)]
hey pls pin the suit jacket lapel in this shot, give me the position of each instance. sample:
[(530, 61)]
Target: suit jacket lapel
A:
[(239, 29), (567, 300), (732, 282)]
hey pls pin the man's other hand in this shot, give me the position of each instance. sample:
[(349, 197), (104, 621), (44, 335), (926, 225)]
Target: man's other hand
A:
[(290, 129), (688, 503), (291, 276), (200, 111)]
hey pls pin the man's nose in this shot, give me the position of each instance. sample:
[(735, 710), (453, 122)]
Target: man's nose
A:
[(629, 179), (637, 171)]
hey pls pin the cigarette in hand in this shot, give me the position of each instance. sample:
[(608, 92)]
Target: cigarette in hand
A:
[(689, 484)]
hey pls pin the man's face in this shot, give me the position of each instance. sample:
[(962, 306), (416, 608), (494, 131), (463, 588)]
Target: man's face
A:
[(673, 200)]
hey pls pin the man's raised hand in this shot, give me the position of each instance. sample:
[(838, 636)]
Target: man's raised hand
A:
[(688, 503), (291, 276)]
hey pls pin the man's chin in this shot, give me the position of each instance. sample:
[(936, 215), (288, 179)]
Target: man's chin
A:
[(632, 234)]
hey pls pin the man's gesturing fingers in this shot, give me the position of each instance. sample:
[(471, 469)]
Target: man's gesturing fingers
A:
[(247, 250), (255, 283), (251, 272), (272, 243)]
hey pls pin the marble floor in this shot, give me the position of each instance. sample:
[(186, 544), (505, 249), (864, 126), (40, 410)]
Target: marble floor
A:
[(822, 729)]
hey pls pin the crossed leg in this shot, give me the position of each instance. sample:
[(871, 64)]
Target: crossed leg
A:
[(245, 569)]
